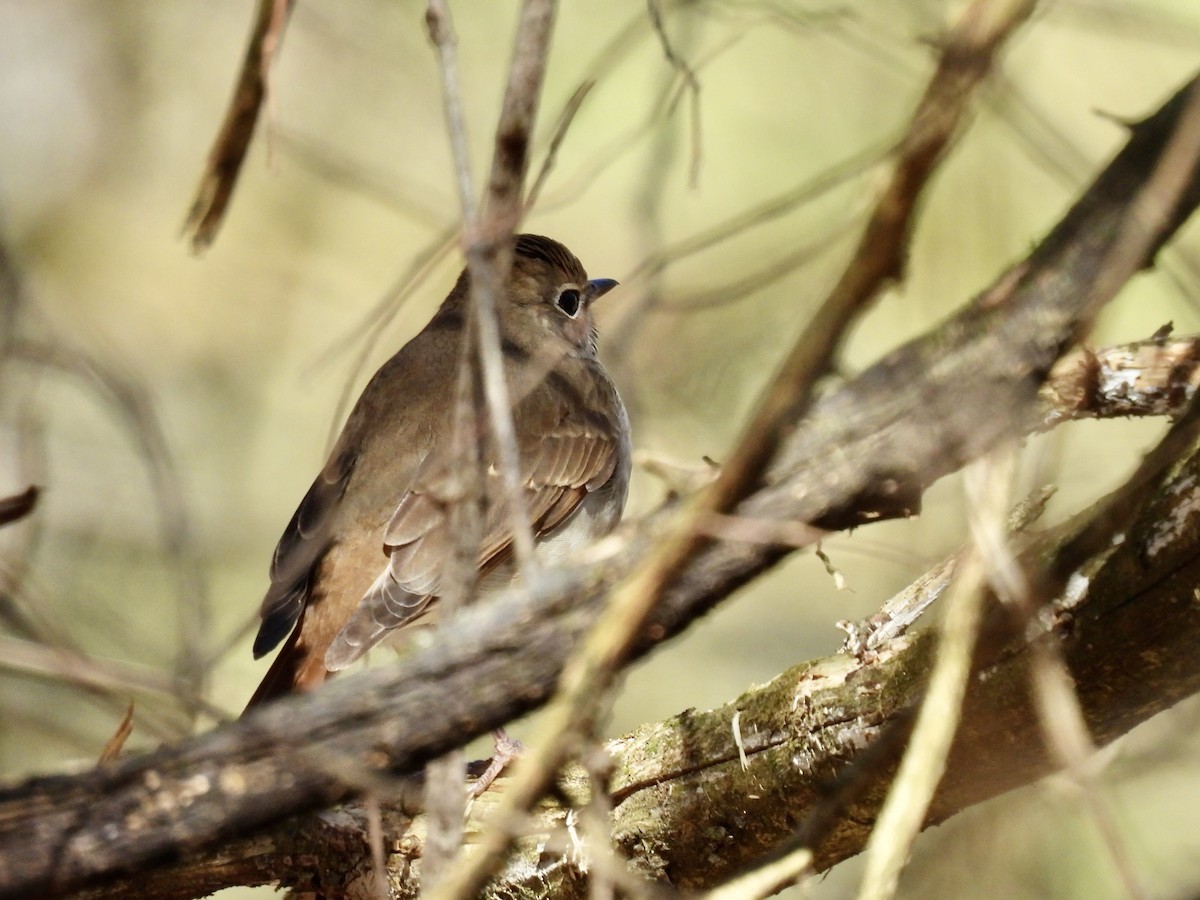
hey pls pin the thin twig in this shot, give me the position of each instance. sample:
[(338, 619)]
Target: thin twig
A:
[(116, 743), (561, 127), (902, 610), (487, 241), (132, 404), (1067, 734), (379, 877), (1156, 205), (110, 677), (766, 880), (514, 131), (766, 211), (372, 326), (745, 285), (688, 75), (924, 761), (488, 262), (629, 319), (445, 42), (228, 153), (17, 506), (626, 141)]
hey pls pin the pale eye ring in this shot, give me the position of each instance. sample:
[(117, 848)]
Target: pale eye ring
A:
[(568, 301)]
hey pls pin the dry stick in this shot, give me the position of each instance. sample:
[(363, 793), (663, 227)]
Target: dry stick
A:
[(592, 827), (17, 506), (1153, 377), (374, 818), (444, 776), (132, 405), (688, 75), (924, 761), (116, 743), (67, 664), (489, 262), (228, 152), (766, 880), (488, 242), (1067, 734), (514, 131), (565, 118), (445, 42), (371, 328), (879, 257)]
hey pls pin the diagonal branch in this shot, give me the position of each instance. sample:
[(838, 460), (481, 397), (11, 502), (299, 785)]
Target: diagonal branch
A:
[(17, 506), (790, 750), (228, 152)]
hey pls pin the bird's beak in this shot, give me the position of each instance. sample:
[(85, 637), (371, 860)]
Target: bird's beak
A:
[(598, 287)]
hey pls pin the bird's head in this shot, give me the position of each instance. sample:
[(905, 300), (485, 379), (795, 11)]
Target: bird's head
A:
[(550, 296)]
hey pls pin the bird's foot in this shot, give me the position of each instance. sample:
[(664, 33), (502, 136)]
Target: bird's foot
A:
[(507, 748)]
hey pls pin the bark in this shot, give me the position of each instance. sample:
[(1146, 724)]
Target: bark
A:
[(693, 808)]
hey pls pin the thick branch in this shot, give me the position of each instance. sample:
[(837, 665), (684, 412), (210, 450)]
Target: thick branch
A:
[(688, 811)]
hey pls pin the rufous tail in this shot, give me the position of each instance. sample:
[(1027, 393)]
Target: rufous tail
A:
[(297, 668)]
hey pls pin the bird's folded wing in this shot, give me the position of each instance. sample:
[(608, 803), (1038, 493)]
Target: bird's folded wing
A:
[(304, 541), (567, 454)]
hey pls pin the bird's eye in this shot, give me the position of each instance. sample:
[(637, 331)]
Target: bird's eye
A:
[(568, 301)]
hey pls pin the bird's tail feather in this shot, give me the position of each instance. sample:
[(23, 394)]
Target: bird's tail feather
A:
[(294, 669)]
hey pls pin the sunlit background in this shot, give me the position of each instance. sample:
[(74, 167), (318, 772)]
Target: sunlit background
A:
[(175, 408)]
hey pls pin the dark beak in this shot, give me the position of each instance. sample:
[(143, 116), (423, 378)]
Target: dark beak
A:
[(598, 287)]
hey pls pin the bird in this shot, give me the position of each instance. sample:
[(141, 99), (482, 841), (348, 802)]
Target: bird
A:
[(366, 552)]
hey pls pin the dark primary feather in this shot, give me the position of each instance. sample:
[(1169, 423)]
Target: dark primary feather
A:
[(300, 549)]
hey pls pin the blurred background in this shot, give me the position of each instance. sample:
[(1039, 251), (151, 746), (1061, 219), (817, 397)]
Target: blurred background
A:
[(175, 407)]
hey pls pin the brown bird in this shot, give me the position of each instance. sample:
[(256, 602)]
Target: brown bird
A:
[(366, 551)]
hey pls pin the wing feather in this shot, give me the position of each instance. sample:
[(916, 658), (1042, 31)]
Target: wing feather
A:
[(300, 549), (567, 453)]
